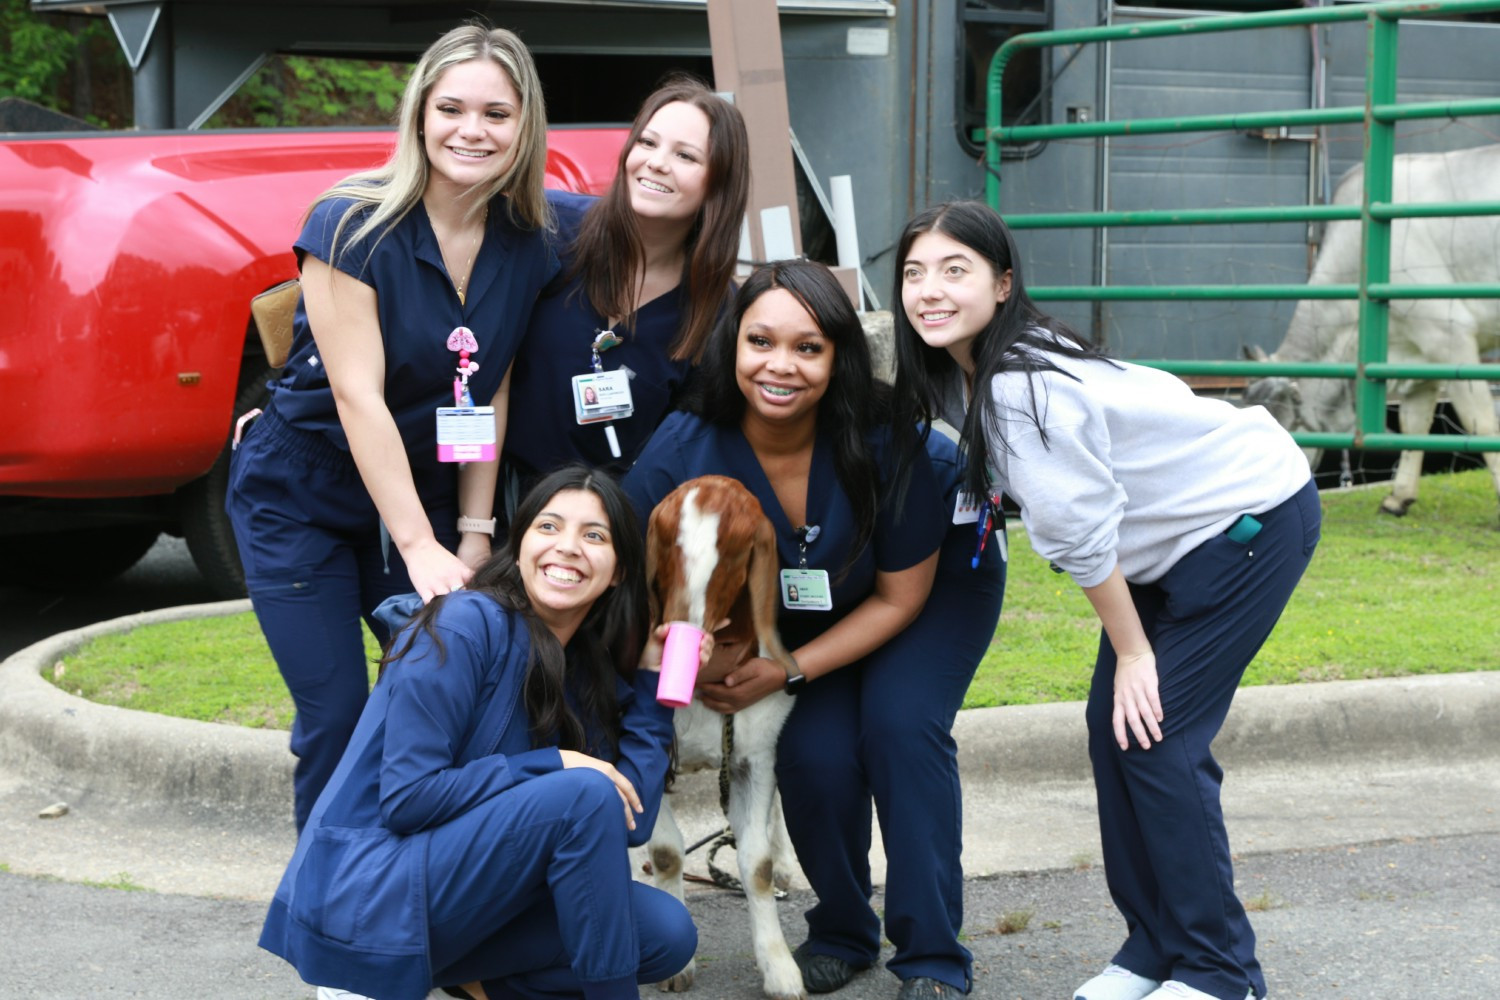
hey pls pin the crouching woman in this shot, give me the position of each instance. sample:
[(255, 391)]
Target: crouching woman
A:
[(475, 832)]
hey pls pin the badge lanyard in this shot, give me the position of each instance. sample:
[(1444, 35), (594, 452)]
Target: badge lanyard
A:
[(987, 515), (601, 397), (465, 432), (804, 589), (989, 512)]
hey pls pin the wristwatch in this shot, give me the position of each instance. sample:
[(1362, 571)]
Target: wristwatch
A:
[(796, 680), (478, 525)]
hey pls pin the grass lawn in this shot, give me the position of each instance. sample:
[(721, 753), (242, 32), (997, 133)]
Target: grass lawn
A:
[(1384, 597)]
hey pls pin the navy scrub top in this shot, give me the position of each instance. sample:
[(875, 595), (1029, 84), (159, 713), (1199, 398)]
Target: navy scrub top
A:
[(557, 347), (352, 905), (418, 308), (687, 446)]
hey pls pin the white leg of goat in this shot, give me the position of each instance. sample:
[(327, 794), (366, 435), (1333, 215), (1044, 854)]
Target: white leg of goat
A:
[(665, 851), (1418, 407), (783, 858), (1476, 411), (752, 790)]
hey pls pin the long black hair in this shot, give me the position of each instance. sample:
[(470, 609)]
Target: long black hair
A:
[(607, 644), (1020, 337), (855, 405)]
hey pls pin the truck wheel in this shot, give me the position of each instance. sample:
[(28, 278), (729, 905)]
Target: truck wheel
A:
[(82, 557), (205, 525)]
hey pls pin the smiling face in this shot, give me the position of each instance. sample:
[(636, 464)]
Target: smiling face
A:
[(667, 167), (469, 123), (950, 293), (783, 363), (567, 559)]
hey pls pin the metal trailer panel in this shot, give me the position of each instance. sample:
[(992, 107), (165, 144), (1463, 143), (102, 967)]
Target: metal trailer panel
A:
[(1270, 69), (1048, 176), (1266, 70)]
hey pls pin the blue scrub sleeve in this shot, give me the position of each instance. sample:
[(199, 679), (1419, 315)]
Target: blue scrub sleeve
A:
[(658, 471), (906, 536), (318, 236), (434, 693), (645, 748)]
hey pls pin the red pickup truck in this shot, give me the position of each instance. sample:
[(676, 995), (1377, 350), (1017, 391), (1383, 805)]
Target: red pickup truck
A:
[(127, 265)]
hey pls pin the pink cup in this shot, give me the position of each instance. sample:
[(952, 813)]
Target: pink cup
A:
[(679, 664)]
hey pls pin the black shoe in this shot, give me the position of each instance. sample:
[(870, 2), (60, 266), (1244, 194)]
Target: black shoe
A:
[(824, 973), (922, 988)]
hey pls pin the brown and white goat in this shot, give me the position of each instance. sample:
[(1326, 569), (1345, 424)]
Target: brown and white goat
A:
[(711, 555)]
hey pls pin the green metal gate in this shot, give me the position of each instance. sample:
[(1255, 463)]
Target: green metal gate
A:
[(1376, 212)]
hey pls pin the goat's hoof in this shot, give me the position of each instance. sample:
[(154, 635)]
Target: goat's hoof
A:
[(680, 983), (783, 981), (1394, 507)]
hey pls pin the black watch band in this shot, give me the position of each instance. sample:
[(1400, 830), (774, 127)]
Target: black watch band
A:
[(795, 678)]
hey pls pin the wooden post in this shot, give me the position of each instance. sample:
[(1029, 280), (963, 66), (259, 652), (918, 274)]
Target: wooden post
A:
[(746, 39)]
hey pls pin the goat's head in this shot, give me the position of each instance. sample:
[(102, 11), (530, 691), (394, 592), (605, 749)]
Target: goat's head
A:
[(711, 555)]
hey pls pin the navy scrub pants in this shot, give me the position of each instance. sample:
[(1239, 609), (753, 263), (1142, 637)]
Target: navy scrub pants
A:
[(884, 728), (1166, 851), (531, 893), (309, 539)]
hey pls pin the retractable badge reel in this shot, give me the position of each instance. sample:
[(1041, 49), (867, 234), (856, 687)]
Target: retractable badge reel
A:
[(804, 589), (601, 397), (465, 432)]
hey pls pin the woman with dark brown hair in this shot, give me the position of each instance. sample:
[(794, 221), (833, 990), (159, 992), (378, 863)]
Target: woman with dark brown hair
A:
[(647, 269)]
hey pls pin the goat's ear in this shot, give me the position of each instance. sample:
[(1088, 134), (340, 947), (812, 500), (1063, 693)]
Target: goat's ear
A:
[(762, 579), (653, 544), (1253, 352)]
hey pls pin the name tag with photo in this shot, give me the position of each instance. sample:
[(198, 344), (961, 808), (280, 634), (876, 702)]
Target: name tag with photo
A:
[(602, 396), (806, 590)]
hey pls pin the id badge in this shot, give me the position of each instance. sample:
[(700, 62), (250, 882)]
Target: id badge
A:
[(805, 590), (602, 396), (966, 509), (466, 433)]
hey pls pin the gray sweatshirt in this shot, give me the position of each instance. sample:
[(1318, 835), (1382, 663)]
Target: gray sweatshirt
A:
[(1136, 470)]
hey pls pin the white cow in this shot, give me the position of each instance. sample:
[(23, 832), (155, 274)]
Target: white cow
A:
[(1445, 331)]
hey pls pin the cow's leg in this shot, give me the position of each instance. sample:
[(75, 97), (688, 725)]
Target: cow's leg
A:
[(1476, 411), (665, 851), (1417, 408), (751, 793), (783, 858)]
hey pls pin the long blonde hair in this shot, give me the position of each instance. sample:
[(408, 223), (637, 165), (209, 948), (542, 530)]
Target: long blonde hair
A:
[(384, 195)]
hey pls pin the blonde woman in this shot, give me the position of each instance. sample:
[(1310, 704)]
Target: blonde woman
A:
[(417, 281)]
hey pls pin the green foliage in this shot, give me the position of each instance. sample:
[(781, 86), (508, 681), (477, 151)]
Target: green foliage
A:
[(69, 63), (123, 881), (34, 54), (307, 91)]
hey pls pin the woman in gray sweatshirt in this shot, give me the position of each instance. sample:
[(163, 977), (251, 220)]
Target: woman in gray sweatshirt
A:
[(1186, 521)]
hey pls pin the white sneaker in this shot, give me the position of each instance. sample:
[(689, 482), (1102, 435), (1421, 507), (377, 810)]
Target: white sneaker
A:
[(1173, 990), (329, 993), (1117, 983)]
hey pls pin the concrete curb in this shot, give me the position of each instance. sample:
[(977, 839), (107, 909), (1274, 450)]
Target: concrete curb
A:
[(54, 737)]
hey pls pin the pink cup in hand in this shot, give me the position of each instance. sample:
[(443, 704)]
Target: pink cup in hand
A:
[(679, 664)]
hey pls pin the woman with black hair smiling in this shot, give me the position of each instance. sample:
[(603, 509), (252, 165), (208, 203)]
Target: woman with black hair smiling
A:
[(475, 831), (1186, 521), (785, 401)]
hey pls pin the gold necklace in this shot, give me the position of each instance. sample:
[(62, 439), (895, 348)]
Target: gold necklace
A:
[(460, 284)]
